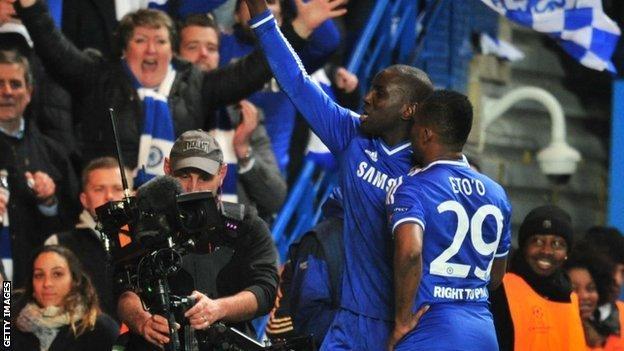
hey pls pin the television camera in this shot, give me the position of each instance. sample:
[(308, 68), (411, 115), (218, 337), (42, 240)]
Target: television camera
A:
[(164, 224)]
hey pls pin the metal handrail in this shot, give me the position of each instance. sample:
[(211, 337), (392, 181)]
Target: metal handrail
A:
[(382, 37)]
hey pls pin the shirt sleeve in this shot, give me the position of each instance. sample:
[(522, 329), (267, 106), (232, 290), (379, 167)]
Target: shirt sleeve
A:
[(334, 125), (403, 205), (259, 265)]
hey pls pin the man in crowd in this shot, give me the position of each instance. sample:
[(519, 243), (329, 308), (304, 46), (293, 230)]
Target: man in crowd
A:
[(41, 180), (373, 151), (256, 176), (535, 308), (438, 270), (101, 183), (233, 274)]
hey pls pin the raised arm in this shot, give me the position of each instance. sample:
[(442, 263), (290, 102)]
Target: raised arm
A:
[(235, 81), (72, 68), (238, 80), (335, 125), (258, 169)]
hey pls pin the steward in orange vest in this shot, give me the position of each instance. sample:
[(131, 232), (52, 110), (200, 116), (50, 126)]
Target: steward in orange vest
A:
[(535, 308)]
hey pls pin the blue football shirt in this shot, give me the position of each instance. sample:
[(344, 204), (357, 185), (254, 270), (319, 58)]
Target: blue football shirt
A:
[(465, 218), (368, 169)]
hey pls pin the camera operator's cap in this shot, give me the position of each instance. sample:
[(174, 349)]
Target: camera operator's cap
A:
[(548, 219), (196, 149)]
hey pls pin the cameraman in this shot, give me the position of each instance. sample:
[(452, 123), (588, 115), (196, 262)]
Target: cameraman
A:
[(232, 280)]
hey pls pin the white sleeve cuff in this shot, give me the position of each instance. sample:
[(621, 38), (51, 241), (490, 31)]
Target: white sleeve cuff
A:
[(410, 220), (502, 254)]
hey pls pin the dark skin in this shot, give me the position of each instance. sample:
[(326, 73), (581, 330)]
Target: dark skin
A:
[(388, 112), (408, 241)]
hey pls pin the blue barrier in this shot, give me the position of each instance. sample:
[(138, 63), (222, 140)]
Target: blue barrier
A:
[(357, 57), (616, 167), (394, 34), (298, 213)]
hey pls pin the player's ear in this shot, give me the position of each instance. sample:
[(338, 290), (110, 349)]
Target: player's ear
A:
[(427, 134), (408, 112)]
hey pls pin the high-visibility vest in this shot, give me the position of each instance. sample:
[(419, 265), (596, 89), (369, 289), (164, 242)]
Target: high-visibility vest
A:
[(614, 342), (540, 324)]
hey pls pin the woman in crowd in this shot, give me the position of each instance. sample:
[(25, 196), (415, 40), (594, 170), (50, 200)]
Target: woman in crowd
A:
[(535, 308), (155, 96), (152, 93), (58, 309), (591, 275)]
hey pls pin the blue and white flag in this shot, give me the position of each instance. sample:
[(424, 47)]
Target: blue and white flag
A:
[(580, 26), (158, 134)]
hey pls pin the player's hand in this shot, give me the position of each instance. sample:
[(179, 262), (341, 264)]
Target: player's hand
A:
[(256, 7), (42, 186), (400, 330), (313, 13), (205, 312), (155, 330)]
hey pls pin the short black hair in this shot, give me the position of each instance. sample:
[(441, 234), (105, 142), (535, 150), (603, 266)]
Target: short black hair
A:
[(206, 20), (200, 20), (608, 240), (449, 113)]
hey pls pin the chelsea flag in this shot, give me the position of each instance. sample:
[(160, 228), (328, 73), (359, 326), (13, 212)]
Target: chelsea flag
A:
[(580, 26)]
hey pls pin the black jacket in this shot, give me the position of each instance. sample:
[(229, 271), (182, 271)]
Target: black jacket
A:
[(101, 338), (97, 85), (229, 261), (28, 226), (86, 244), (90, 24), (240, 256)]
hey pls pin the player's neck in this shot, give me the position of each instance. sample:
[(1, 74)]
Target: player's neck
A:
[(445, 156), (393, 138)]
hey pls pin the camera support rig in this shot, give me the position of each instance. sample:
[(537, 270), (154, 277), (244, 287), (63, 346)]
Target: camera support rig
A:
[(159, 247)]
